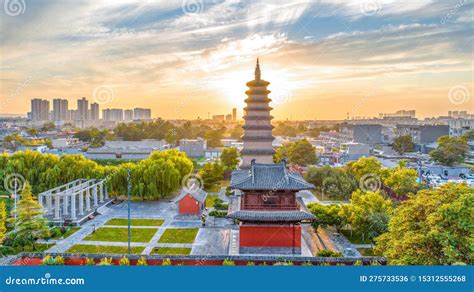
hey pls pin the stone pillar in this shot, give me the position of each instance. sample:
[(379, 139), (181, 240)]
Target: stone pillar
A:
[(65, 202), (94, 194), (88, 199), (106, 192), (73, 206), (81, 202), (101, 191), (56, 207), (49, 202), (40, 200)]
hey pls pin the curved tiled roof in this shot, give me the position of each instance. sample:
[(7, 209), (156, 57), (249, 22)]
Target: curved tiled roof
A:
[(268, 177)]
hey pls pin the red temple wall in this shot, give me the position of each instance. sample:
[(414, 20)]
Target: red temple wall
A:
[(270, 236), (188, 205)]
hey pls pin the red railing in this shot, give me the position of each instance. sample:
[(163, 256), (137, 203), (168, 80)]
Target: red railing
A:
[(270, 207)]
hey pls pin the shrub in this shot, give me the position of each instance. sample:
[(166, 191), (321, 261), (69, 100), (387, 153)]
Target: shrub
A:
[(105, 262), (358, 263), (124, 261), (218, 214), (227, 262), (328, 253), (307, 264), (59, 261), (250, 264), (285, 263), (166, 262), (142, 262), (50, 261), (90, 262)]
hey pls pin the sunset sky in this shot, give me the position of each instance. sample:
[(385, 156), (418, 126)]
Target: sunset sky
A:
[(185, 59)]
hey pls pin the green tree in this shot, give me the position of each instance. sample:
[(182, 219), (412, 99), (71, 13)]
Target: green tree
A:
[(331, 181), (434, 227), (451, 150), (403, 144), (469, 135), (214, 137), (29, 224), (365, 212), (211, 173), (230, 158), (402, 181), (237, 132), (299, 152), (327, 215), (366, 166), (3, 221)]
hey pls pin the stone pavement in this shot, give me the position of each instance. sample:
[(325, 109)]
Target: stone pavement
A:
[(221, 195)]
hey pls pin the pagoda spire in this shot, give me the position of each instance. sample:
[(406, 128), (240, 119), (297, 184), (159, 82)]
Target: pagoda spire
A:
[(257, 71)]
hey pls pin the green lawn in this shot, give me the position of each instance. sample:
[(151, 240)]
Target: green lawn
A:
[(356, 238), (179, 235), (171, 250), (210, 199), (135, 222), (39, 247), (121, 234), (70, 231), (84, 248)]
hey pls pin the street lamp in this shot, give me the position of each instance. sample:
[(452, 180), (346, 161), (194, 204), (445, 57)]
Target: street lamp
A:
[(128, 195)]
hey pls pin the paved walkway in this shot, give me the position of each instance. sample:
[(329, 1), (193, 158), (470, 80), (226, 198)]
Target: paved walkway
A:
[(221, 195)]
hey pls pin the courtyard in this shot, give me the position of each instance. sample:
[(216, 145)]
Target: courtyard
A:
[(157, 229)]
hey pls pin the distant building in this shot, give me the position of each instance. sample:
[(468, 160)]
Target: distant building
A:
[(423, 134), (234, 114), (399, 114), (228, 117), (141, 114), (82, 109), (128, 115), (363, 133), (193, 147), (127, 150), (39, 110), (62, 143), (94, 112), (112, 115), (218, 118), (60, 110), (353, 151)]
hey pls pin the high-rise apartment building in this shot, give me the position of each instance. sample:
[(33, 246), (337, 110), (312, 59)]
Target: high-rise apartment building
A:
[(112, 115), (234, 114), (94, 112), (141, 113), (39, 110), (128, 115), (82, 109), (60, 110)]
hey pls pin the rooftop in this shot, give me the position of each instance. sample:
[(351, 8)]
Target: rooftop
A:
[(268, 177)]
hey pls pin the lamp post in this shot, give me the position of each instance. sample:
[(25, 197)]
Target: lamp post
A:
[(128, 195)]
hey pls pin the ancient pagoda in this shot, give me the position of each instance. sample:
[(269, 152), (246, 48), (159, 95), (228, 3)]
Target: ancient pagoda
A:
[(258, 127), (266, 206)]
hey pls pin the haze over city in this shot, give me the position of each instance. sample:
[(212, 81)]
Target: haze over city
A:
[(324, 59)]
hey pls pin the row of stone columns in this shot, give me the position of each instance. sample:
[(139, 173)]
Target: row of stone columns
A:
[(81, 193)]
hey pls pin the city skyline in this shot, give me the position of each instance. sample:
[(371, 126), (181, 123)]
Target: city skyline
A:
[(324, 60)]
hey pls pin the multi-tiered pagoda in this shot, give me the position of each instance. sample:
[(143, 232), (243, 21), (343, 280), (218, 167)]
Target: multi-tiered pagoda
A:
[(258, 123), (267, 208)]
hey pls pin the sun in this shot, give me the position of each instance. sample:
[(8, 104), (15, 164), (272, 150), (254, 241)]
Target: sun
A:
[(232, 86)]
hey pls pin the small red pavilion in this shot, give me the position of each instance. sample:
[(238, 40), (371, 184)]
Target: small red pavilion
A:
[(268, 209), (191, 203)]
